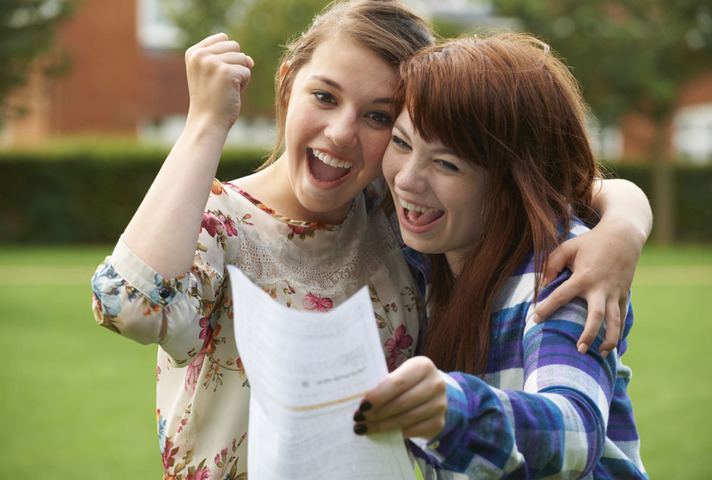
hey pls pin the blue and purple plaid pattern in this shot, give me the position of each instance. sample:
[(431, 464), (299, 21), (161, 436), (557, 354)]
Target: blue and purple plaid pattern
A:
[(542, 410)]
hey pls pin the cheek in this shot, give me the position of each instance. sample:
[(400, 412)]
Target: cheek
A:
[(374, 147), (470, 214), (390, 166), (300, 119)]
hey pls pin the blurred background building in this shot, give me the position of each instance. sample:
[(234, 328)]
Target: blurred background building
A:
[(127, 79)]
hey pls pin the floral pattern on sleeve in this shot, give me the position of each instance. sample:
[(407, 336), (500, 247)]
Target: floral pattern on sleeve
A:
[(106, 301)]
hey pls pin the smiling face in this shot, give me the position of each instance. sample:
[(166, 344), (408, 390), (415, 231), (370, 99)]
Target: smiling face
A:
[(438, 195), (338, 125)]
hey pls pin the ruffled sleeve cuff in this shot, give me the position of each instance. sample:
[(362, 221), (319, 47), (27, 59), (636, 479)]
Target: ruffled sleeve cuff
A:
[(143, 278)]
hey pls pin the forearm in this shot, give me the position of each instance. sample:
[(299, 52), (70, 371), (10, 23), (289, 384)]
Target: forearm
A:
[(164, 230), (621, 202)]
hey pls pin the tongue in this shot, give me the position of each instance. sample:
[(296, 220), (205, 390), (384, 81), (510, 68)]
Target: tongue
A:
[(326, 173), (420, 219)]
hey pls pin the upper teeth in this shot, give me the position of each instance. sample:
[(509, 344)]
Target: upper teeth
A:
[(415, 208), (329, 160)]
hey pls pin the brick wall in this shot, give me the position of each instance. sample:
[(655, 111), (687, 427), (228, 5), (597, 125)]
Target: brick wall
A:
[(639, 133), (101, 94)]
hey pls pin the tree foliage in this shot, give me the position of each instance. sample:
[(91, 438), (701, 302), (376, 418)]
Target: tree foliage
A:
[(26, 32), (261, 27), (629, 55)]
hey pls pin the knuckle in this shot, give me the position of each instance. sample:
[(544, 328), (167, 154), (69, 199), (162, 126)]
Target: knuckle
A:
[(440, 387), (422, 361), (400, 383), (589, 332), (441, 408)]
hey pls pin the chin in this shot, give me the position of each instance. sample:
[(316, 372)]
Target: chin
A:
[(419, 244)]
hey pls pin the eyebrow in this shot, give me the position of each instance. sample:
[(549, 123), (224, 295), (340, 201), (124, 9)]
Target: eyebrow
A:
[(445, 151), (332, 83), (402, 132), (437, 151)]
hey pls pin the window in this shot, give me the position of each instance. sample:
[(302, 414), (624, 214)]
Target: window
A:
[(155, 30), (692, 133)]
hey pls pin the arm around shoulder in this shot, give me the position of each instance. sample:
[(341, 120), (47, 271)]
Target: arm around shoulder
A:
[(603, 261)]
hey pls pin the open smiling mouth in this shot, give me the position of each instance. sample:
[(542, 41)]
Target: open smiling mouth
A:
[(326, 168), (419, 216)]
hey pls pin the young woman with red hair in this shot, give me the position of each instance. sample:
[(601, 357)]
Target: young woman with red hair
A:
[(491, 169)]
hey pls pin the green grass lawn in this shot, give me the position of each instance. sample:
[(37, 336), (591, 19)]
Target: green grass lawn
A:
[(78, 400), (671, 386)]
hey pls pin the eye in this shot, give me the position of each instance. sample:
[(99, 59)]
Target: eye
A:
[(381, 118), (324, 97), (448, 165), (400, 143)]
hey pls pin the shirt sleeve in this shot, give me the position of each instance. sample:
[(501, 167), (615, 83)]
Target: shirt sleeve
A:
[(131, 299), (554, 426)]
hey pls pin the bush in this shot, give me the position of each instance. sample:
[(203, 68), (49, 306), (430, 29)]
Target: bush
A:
[(87, 193), (692, 197)]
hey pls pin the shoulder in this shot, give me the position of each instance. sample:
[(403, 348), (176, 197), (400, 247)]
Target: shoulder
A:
[(228, 198), (576, 228)]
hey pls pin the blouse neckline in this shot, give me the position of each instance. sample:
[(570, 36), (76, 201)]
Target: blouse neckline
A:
[(295, 223)]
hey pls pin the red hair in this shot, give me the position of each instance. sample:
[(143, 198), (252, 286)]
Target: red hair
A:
[(507, 104)]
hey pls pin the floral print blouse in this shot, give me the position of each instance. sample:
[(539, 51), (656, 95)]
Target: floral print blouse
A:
[(202, 389)]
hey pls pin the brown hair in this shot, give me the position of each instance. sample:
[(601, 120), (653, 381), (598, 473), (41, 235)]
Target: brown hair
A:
[(385, 27), (506, 103)]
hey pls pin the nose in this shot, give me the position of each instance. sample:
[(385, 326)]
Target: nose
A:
[(409, 177), (342, 128)]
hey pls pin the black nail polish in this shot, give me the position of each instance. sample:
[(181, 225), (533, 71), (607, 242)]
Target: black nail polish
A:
[(365, 407), (359, 417), (360, 429)]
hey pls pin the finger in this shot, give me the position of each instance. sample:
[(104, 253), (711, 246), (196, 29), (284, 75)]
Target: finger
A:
[(427, 419), (410, 400), (225, 46), (428, 428), (212, 39), (613, 322), (594, 319), (623, 308), (239, 74), (234, 58), (557, 261), (397, 382), (557, 299)]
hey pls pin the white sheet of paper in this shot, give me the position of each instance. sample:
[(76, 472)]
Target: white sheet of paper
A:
[(308, 373)]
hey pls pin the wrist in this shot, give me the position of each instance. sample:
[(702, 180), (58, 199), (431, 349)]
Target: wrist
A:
[(207, 127)]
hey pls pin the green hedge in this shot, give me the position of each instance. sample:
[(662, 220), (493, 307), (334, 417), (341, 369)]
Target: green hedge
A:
[(692, 197), (87, 194)]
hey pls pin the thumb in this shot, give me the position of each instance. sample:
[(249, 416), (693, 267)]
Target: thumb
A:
[(559, 259)]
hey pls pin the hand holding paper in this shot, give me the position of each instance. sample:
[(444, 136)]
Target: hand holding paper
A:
[(307, 373)]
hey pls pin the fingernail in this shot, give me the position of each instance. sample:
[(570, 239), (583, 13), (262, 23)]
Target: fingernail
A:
[(360, 429), (604, 353), (359, 417), (582, 347), (535, 318), (365, 407)]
